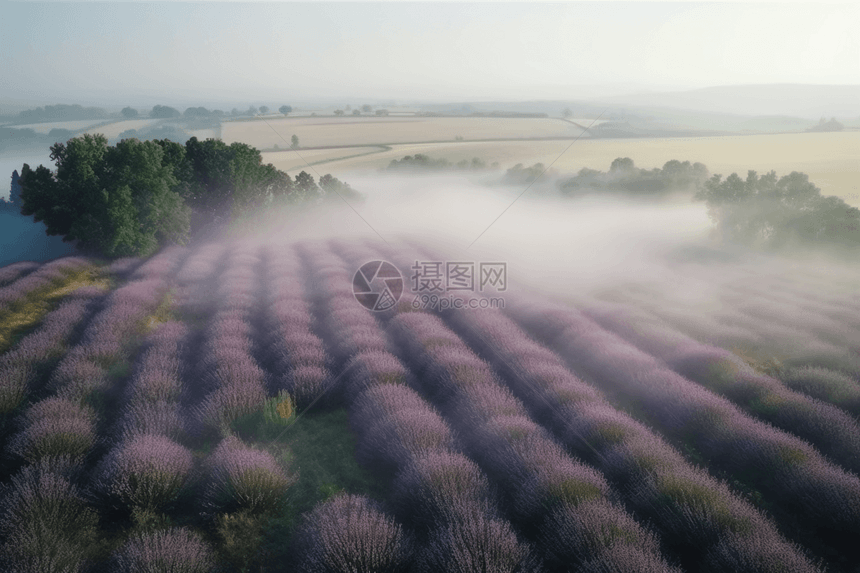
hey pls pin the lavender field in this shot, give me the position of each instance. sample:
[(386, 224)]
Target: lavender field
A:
[(231, 407)]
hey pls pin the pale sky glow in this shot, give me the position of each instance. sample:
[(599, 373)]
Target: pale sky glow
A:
[(416, 51)]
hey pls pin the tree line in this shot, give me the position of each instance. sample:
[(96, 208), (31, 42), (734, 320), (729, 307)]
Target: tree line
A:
[(132, 198), (779, 212)]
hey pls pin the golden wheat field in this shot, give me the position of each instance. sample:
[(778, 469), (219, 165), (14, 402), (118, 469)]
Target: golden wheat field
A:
[(297, 160), (318, 132), (70, 125), (112, 130), (832, 160)]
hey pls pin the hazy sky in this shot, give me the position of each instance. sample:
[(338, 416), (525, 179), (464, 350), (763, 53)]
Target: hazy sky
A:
[(273, 52)]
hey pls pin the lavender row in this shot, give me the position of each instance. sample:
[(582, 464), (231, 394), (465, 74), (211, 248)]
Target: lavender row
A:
[(699, 518), (20, 366), (444, 498), (785, 470), (730, 328), (827, 385), (151, 401), (11, 273), (45, 276), (296, 354), (83, 369), (564, 505), (233, 382), (830, 429), (826, 314), (64, 424)]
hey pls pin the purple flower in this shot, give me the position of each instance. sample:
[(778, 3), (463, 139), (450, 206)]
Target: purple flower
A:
[(177, 550), (147, 471), (475, 541), (243, 477), (348, 533), (46, 525), (56, 427)]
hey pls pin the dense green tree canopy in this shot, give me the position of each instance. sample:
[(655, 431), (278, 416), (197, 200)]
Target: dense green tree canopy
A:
[(117, 201), (129, 112), (132, 198)]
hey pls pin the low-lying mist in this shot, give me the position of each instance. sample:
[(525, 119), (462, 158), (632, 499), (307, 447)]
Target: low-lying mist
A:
[(547, 241), (659, 257)]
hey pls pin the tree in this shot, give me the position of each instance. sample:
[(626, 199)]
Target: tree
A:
[(367, 107), (285, 109), (128, 112), (251, 111), (193, 112), (264, 109), (567, 112), (14, 201), (333, 187), (164, 112), (382, 112), (356, 112), (338, 112), (295, 141), (780, 212), (304, 189), (621, 164), (114, 201)]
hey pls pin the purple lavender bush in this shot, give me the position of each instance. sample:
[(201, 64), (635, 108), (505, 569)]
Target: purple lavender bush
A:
[(56, 427), (146, 471), (45, 524), (243, 478), (688, 507), (828, 385), (177, 550), (347, 534), (475, 541), (434, 487), (13, 272)]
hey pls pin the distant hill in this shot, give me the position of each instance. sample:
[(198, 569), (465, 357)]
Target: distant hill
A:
[(798, 100)]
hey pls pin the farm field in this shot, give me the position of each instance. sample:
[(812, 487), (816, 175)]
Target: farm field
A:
[(832, 160), (318, 132), (70, 125), (233, 406), (294, 161), (112, 130)]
